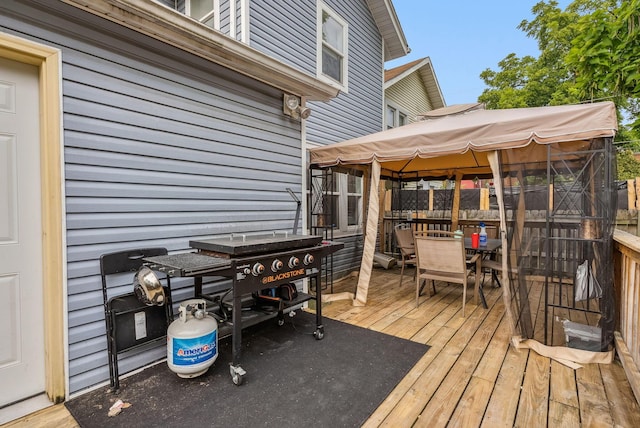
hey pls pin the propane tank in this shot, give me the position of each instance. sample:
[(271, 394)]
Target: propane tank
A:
[(192, 340)]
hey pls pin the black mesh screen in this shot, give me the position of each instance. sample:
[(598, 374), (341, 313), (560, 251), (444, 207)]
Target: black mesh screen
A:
[(560, 221)]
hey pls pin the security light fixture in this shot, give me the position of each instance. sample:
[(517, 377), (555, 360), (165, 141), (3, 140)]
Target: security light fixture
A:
[(292, 107)]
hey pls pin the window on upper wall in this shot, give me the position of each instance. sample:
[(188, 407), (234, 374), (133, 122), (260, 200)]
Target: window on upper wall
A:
[(203, 11), (347, 206), (332, 55)]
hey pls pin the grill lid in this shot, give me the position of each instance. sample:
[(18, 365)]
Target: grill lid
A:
[(242, 245)]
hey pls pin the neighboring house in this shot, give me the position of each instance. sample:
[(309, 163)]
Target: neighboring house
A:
[(410, 90), (126, 123)]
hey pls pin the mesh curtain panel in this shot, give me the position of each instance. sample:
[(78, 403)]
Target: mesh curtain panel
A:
[(416, 197), (560, 206)]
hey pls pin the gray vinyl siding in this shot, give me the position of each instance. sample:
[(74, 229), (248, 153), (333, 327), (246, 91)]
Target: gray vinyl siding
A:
[(239, 20), (285, 31), (358, 112), (291, 37), (225, 18), (349, 258), (160, 147)]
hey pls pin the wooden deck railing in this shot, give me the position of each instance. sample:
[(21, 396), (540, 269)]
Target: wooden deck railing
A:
[(627, 284)]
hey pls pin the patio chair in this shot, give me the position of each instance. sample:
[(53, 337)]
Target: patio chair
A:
[(494, 265), (404, 240), (441, 257)]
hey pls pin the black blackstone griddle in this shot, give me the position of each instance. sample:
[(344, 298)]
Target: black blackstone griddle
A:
[(253, 263)]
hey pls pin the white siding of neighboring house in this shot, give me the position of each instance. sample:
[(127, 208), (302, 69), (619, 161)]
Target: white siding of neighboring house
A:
[(409, 93)]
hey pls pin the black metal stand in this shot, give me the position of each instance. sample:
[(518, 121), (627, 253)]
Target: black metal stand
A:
[(130, 323), (245, 282)]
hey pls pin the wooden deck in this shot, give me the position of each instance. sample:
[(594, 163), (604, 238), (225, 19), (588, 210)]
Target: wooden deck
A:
[(471, 376)]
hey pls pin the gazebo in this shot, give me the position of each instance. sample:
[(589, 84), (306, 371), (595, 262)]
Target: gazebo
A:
[(566, 150)]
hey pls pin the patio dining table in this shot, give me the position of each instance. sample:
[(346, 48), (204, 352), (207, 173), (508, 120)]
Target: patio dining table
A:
[(486, 251)]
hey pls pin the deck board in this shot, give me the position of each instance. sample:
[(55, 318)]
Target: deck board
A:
[(471, 376), (534, 400), (594, 406)]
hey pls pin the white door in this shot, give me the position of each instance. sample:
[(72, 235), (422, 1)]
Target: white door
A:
[(21, 313)]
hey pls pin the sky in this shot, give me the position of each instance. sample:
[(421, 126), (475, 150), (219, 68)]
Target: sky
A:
[(463, 38)]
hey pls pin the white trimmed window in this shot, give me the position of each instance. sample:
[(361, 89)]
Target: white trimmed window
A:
[(390, 118), (402, 119), (343, 202), (204, 11), (332, 56), (395, 117), (354, 201)]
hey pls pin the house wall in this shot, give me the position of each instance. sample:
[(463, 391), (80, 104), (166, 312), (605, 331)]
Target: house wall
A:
[(410, 95), (346, 260), (292, 38), (225, 18), (160, 147)]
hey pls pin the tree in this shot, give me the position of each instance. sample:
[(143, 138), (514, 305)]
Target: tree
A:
[(534, 82), (588, 52), (604, 55), (628, 166)]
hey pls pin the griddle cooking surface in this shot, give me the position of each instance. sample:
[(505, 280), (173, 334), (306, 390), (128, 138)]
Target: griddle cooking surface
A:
[(242, 246)]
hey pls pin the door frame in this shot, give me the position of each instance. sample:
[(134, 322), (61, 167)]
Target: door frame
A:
[(48, 60)]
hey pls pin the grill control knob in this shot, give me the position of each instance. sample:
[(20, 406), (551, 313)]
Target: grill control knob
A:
[(257, 269), (276, 265), (294, 262), (308, 259)]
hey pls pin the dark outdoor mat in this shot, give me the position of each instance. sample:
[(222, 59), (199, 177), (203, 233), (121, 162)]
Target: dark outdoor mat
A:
[(292, 380)]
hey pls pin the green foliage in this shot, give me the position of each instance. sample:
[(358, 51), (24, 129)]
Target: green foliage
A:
[(628, 166), (534, 82), (588, 52), (605, 53)]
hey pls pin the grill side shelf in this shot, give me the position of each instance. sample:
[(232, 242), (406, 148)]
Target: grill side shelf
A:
[(188, 264)]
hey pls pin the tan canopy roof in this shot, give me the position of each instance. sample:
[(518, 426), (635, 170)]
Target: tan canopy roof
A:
[(439, 146)]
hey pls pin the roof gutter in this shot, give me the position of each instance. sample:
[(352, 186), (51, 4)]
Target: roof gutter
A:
[(395, 42), (172, 27)]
